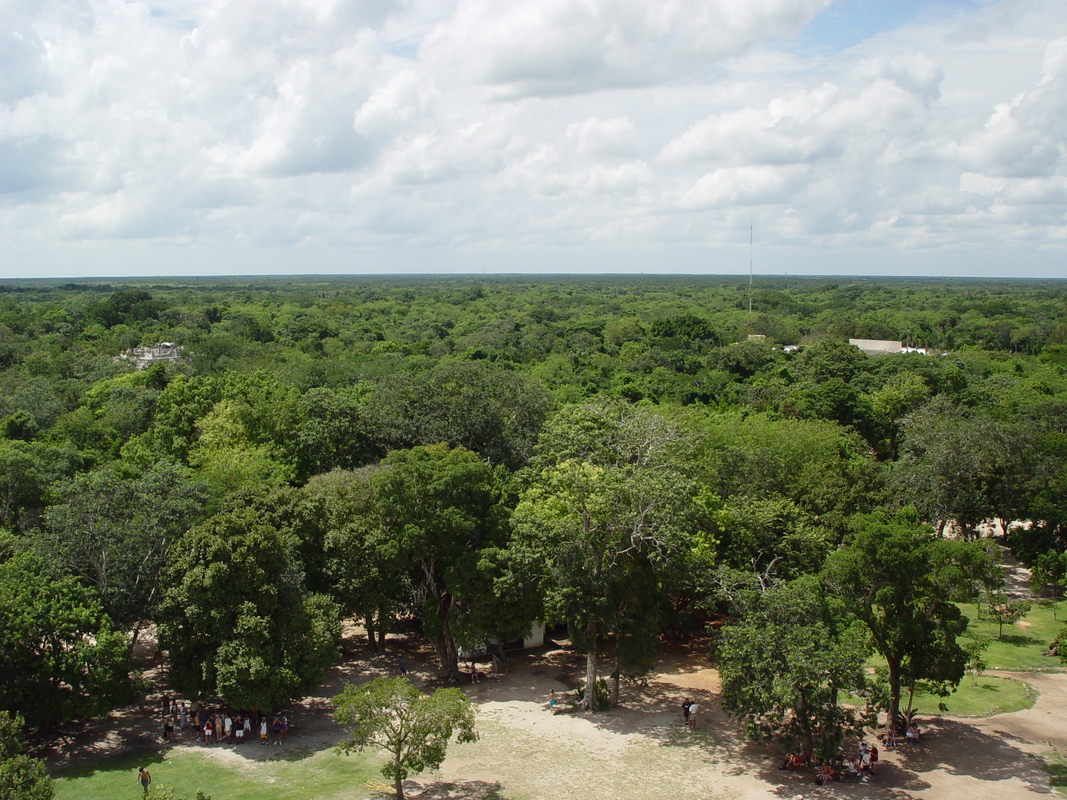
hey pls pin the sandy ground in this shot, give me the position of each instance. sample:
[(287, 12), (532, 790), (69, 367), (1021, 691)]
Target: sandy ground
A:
[(640, 751)]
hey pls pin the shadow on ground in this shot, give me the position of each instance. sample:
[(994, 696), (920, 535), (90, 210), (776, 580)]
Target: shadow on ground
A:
[(462, 790)]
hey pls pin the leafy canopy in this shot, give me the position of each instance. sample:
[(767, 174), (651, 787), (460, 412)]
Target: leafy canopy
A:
[(412, 727)]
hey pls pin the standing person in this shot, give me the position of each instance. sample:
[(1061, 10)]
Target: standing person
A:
[(263, 731), (277, 731), (285, 726), (401, 668), (227, 726), (692, 715), (239, 729), (183, 717), (685, 711), (144, 778)]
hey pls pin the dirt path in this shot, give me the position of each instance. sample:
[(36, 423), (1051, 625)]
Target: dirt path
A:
[(643, 751), (640, 751)]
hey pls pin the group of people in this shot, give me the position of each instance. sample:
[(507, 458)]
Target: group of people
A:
[(911, 736), (217, 726), (689, 713)]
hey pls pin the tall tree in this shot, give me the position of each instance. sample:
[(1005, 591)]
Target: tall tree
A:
[(114, 529), (364, 565), (235, 618), (443, 506), (482, 407), (606, 494), (21, 777), (786, 662), (904, 583), (60, 657)]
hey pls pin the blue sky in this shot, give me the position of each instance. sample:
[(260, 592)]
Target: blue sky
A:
[(847, 23), (891, 137)]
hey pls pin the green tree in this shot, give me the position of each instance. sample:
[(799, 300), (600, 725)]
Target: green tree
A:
[(364, 565), (60, 658), (1001, 609), (26, 471), (236, 619), (485, 408), (904, 584), (114, 530), (498, 601), (21, 777), (413, 728), (443, 506), (605, 495), (947, 465), (786, 662), (332, 433), (901, 394)]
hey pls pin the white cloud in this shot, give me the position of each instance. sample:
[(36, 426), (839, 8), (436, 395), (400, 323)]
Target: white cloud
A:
[(475, 125)]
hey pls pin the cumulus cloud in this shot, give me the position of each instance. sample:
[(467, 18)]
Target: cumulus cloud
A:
[(553, 47), (481, 125)]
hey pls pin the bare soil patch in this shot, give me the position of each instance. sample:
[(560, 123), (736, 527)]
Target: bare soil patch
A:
[(639, 751)]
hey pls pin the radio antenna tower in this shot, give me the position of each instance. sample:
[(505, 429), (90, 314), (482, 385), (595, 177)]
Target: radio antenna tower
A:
[(750, 281)]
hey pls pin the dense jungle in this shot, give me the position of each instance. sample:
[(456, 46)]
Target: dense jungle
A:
[(462, 456)]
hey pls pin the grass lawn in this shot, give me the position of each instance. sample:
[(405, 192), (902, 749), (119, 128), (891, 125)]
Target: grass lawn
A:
[(1021, 647), (980, 696), (323, 775)]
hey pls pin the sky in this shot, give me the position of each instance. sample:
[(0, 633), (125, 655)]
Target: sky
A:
[(228, 137)]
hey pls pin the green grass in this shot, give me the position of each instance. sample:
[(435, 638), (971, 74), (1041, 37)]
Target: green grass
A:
[(1056, 765), (1021, 648), (980, 696), (323, 775)]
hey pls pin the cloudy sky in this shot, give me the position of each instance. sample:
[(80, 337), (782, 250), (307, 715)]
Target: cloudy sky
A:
[(879, 137)]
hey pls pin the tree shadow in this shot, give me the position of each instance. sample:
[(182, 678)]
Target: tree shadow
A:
[(961, 749), (459, 790), (1020, 640)]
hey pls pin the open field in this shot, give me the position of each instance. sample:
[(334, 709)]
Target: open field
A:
[(525, 752)]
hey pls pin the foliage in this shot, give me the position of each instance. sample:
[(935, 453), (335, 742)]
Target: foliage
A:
[(114, 529), (236, 619), (442, 507), (606, 498), (1002, 610), (413, 728), (21, 777), (904, 584), (363, 564), (60, 658), (284, 380), (786, 662)]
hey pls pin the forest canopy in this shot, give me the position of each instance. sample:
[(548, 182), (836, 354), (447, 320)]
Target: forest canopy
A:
[(464, 456)]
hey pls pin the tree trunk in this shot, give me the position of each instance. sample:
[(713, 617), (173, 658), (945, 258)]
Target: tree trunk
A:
[(800, 713), (398, 784), (589, 701), (444, 643), (369, 624), (894, 694)]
